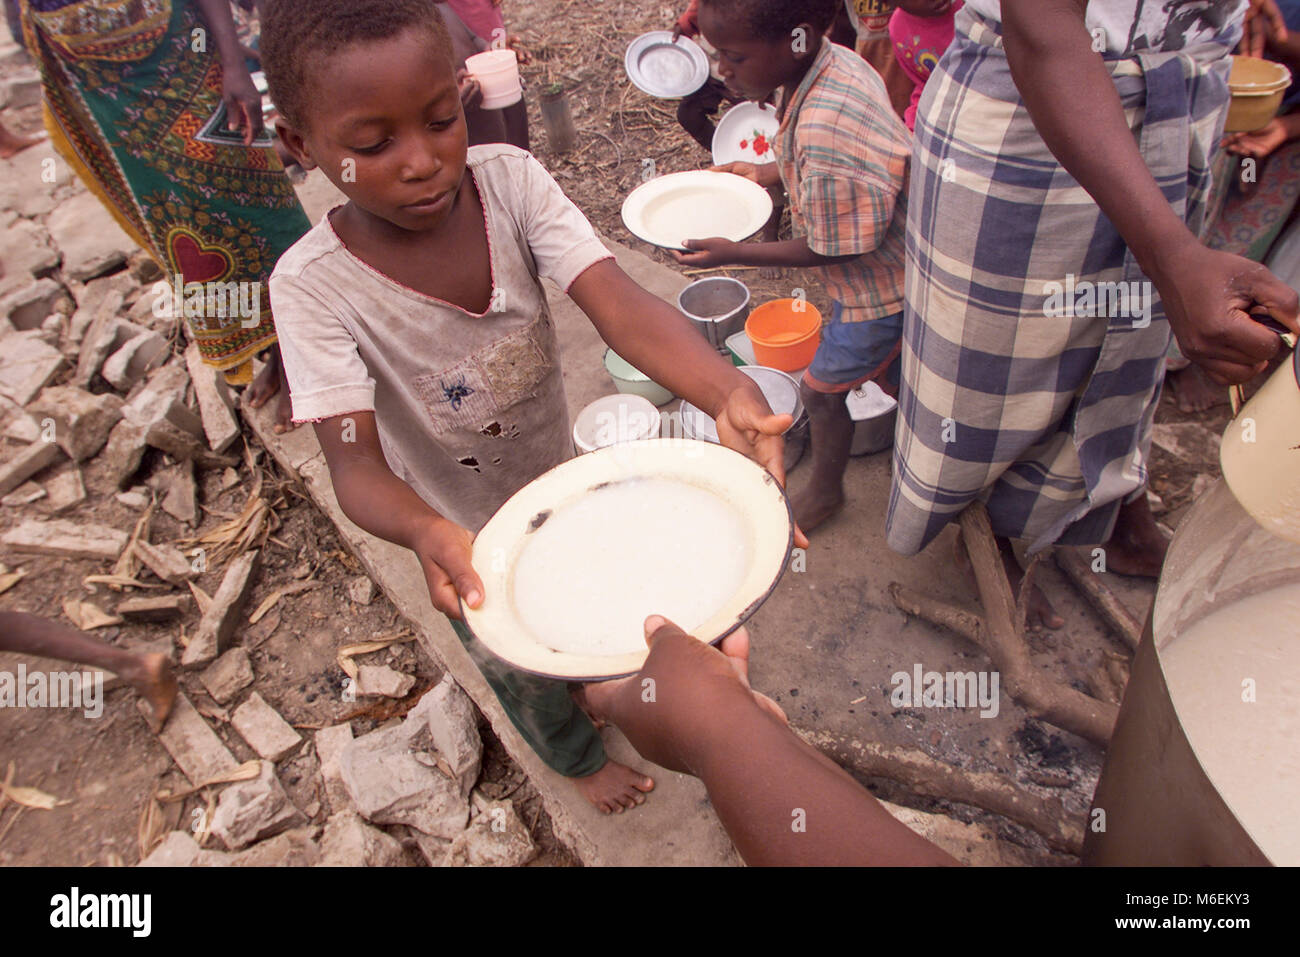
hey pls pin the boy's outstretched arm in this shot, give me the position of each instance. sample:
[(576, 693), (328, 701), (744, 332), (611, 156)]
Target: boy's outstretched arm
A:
[(1077, 111), (781, 802), (385, 506), (659, 341)]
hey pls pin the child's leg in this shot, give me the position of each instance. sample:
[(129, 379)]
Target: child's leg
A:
[(850, 354), (546, 716), (694, 112), (150, 675)]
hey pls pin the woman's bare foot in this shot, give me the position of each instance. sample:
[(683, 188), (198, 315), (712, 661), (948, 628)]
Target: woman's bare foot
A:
[(615, 788), (1193, 391), (271, 381), (11, 144), (1137, 546), (155, 682), (815, 505)]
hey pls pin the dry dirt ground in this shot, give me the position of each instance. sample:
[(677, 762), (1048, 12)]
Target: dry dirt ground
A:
[(107, 769)]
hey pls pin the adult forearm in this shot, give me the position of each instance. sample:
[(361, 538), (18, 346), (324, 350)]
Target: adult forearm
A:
[(783, 804), (1077, 111)]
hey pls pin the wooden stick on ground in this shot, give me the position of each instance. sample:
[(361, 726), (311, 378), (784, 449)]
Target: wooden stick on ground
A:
[(1106, 603), (924, 775), (1001, 637)]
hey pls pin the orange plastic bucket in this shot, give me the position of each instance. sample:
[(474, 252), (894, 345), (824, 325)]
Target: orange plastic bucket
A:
[(785, 333)]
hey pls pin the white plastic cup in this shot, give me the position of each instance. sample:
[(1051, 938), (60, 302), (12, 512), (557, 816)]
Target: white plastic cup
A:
[(497, 72)]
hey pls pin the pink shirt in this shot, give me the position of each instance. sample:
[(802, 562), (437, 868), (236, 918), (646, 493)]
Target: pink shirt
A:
[(918, 44)]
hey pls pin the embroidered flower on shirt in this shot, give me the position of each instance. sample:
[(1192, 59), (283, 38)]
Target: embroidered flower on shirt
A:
[(457, 393)]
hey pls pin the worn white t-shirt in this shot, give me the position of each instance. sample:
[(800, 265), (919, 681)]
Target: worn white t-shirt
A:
[(1163, 26), (470, 408)]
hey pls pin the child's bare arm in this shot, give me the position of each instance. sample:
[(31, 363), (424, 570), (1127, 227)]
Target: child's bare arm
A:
[(1069, 93), (795, 253), (659, 340), (385, 506)]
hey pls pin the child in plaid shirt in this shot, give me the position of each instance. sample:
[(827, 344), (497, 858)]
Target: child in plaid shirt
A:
[(841, 154)]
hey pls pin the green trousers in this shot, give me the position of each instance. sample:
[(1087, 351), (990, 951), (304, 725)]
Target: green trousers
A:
[(542, 710)]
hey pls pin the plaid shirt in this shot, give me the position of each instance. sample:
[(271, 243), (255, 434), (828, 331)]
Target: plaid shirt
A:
[(842, 153)]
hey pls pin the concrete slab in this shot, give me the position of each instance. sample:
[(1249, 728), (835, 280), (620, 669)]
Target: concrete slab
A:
[(825, 644)]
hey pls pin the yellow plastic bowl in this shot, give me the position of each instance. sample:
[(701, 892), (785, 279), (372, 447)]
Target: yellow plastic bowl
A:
[(1257, 88)]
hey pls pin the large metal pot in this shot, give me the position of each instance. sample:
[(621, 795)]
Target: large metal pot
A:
[(717, 307), (1202, 765)]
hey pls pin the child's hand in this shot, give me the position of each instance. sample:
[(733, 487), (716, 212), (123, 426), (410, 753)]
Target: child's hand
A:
[(1259, 143), (766, 175), (522, 53), (444, 549), (471, 93), (712, 252)]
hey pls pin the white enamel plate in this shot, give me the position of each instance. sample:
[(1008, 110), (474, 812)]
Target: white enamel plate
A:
[(659, 67), (745, 135), (698, 204), (575, 561)]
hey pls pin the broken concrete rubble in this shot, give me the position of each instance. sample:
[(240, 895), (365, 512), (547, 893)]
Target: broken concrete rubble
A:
[(221, 618), (179, 494), (25, 494), (131, 360), (495, 838), (166, 561), (389, 786), (27, 365), (193, 745), (348, 841), (26, 254), (30, 461), (452, 723), (161, 608), (228, 675), (82, 421), (66, 539), (361, 590), (216, 404), (262, 727), (28, 306), (66, 490), (249, 811), (382, 681), (91, 241), (330, 743)]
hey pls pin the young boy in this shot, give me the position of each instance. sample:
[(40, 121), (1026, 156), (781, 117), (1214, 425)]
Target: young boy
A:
[(842, 155), (416, 330)]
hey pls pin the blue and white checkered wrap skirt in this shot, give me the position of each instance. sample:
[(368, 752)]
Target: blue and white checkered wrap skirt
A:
[(1047, 419)]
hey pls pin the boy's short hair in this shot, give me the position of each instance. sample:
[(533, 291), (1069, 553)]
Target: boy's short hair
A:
[(776, 19), (297, 35)]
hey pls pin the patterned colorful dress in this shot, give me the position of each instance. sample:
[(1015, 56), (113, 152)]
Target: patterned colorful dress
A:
[(133, 99)]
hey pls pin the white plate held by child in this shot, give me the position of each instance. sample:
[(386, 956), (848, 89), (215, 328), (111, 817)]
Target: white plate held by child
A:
[(745, 135), (697, 204), (575, 561)]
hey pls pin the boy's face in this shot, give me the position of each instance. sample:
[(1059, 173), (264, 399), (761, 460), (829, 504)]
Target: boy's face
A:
[(388, 129), (751, 66)]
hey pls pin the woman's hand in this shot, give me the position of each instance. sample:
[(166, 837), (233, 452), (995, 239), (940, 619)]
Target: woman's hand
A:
[(444, 549), (766, 175), (1264, 25), (1208, 296), (243, 102)]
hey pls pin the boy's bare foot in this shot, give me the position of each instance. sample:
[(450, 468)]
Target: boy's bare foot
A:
[(1137, 546), (270, 382), (615, 788), (155, 683), (11, 144), (1193, 391), (816, 505)]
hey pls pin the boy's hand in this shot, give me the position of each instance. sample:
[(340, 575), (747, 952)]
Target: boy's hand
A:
[(712, 252), (1208, 296), (747, 425), (471, 93), (444, 549), (766, 175), (1258, 143)]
